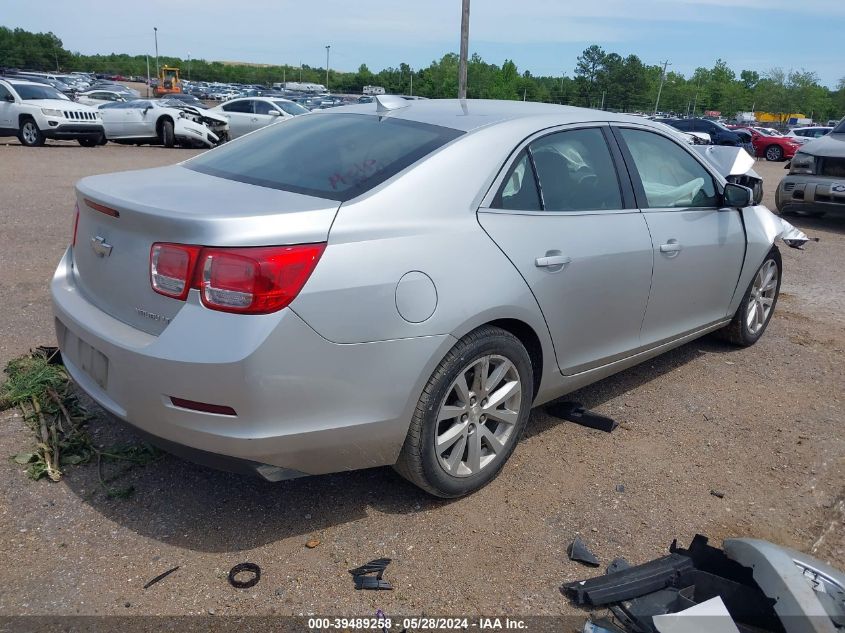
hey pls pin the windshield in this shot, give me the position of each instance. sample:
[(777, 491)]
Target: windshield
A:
[(28, 92), (291, 108), (840, 128), (334, 156)]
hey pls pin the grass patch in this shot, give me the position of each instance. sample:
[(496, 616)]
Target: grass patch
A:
[(40, 387)]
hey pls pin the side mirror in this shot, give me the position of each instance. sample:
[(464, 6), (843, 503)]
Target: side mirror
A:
[(737, 196), (274, 113), (9, 98)]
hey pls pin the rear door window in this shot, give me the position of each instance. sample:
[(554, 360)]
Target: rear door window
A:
[(334, 156), (575, 171), (519, 190), (242, 105)]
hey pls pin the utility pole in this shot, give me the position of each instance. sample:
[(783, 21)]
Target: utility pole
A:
[(603, 93), (327, 65), (660, 89), (462, 68), (300, 71), (155, 32), (148, 76), (412, 83), (189, 67), (695, 101)]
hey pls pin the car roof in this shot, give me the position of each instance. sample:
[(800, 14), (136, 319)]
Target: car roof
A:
[(471, 114), (21, 82)]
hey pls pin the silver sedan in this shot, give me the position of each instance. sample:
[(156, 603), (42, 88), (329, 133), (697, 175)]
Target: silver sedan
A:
[(398, 283)]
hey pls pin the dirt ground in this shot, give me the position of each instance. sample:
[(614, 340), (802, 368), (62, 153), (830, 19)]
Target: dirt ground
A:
[(762, 425)]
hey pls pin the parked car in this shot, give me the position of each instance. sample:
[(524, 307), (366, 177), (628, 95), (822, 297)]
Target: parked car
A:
[(809, 133), (99, 97), (35, 112), (162, 121), (400, 282), (249, 114), (816, 180), (772, 147), (719, 134), (187, 99)]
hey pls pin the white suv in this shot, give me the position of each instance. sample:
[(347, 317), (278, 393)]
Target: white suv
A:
[(34, 112)]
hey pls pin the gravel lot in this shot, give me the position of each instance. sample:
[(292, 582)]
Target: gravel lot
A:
[(763, 425)]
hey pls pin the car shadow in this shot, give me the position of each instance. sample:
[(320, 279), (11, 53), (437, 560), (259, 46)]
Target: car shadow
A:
[(194, 507), (832, 221)]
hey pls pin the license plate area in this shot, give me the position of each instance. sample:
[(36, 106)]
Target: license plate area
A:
[(88, 358)]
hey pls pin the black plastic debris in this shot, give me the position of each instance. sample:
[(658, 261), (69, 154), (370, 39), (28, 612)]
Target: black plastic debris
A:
[(617, 564), (578, 551), (718, 493), (370, 575), (620, 487), (244, 568), (160, 577), (575, 412)]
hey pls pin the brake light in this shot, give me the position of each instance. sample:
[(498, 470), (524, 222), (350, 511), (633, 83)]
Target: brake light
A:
[(250, 280), (75, 225), (171, 269)]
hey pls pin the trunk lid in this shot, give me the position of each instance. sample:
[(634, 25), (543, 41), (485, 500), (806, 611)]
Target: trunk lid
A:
[(175, 204)]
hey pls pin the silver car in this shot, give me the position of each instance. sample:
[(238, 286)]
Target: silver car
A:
[(398, 283)]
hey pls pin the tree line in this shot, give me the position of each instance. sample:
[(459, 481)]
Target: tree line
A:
[(600, 79)]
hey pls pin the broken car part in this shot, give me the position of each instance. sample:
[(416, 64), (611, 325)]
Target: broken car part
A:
[(364, 578), (764, 587), (575, 412), (160, 577), (578, 551), (241, 568)]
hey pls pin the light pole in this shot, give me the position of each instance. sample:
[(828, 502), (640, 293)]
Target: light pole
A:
[(189, 67), (328, 47), (155, 33), (660, 89), (462, 68)]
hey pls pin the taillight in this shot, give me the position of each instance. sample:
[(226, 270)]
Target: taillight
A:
[(172, 268), (252, 280), (75, 225)]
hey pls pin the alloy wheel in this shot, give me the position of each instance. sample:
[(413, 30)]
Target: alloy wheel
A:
[(762, 296), (478, 415), (30, 132)]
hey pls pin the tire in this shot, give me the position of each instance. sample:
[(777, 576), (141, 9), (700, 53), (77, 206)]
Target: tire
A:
[(485, 434), (738, 331), (103, 140), (167, 135), (774, 153), (89, 141), (29, 134)]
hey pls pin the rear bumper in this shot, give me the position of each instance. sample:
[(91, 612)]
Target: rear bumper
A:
[(73, 131), (302, 403)]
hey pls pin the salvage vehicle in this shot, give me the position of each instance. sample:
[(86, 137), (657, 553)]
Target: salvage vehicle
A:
[(808, 133), (815, 183), (398, 283), (162, 121), (99, 97), (249, 114), (773, 147), (719, 134), (35, 112)]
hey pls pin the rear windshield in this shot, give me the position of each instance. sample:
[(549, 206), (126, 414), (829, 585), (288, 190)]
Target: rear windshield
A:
[(334, 156)]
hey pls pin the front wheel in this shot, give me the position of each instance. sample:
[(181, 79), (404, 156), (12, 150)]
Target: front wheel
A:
[(470, 415), (168, 138), (29, 134), (758, 304)]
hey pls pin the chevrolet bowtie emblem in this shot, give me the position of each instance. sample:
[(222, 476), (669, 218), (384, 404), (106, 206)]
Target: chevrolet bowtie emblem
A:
[(100, 247)]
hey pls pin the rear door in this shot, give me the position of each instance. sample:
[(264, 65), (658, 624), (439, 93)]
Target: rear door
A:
[(239, 113), (699, 246), (572, 229), (261, 114)]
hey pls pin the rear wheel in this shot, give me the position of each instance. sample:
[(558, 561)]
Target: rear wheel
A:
[(168, 138), (29, 133), (758, 304), (774, 153), (470, 415)]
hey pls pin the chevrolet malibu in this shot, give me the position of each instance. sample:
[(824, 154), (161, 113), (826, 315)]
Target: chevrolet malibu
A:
[(398, 283)]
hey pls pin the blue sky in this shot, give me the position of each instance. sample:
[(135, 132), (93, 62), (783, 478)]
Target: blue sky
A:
[(543, 36)]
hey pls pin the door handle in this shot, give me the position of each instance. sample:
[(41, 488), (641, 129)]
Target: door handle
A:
[(672, 248), (551, 260)]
